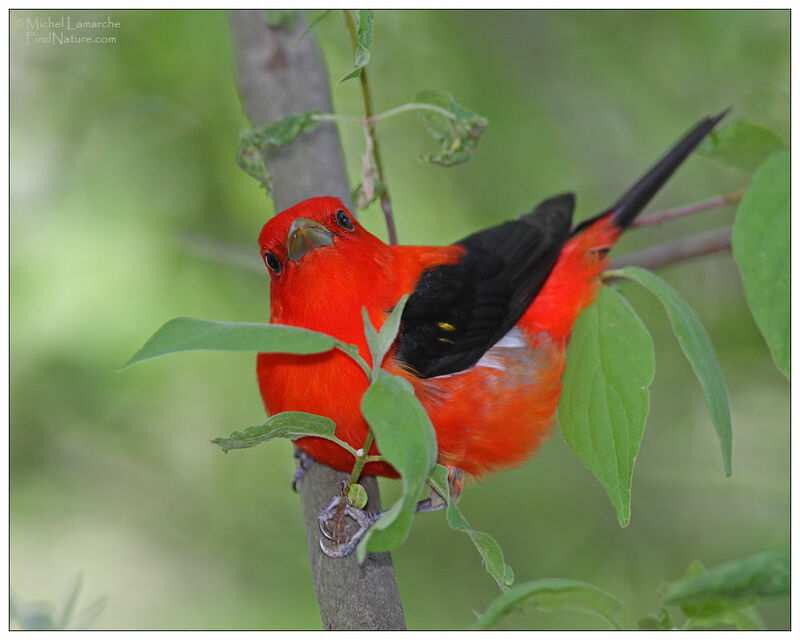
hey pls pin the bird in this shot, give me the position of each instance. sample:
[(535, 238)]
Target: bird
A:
[(482, 337)]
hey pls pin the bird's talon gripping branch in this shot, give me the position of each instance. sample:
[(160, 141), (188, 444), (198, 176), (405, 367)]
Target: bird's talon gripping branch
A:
[(343, 526)]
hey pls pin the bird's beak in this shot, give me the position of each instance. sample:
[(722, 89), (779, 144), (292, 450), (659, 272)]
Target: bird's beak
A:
[(305, 235)]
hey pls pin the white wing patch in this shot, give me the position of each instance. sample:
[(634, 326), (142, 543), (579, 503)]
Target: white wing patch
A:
[(497, 356)]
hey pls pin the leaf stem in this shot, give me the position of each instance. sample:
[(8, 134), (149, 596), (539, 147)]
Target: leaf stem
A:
[(412, 106), (335, 117), (394, 111), (689, 209), (362, 459), (386, 202)]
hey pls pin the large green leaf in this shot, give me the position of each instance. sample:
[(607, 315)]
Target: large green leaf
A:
[(192, 334), (761, 242), (456, 134), (741, 144), (365, 19), (761, 575), (407, 441), (550, 594), (490, 552), (696, 345), (288, 424), (605, 397)]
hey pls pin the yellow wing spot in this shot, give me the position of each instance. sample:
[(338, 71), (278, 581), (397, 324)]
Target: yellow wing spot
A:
[(446, 326), (448, 340)]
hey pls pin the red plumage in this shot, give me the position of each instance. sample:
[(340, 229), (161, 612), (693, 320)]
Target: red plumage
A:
[(485, 418), (490, 415)]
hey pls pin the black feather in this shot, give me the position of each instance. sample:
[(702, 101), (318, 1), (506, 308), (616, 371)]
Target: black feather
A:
[(458, 311)]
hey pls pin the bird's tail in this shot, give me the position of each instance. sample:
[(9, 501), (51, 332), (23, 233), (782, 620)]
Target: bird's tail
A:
[(572, 284), (630, 205)]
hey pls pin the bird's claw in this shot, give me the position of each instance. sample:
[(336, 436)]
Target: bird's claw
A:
[(304, 462), (436, 501), (343, 526)]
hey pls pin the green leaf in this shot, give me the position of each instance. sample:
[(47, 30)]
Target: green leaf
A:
[(713, 612), (407, 441), (380, 343), (696, 345), (457, 134), (288, 424), (605, 397), (357, 496), (660, 622), (281, 18), (193, 334), (551, 594), (365, 18), (741, 144), (490, 552), (761, 250), (254, 143), (761, 575)]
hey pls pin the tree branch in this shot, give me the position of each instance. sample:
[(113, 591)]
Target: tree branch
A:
[(674, 251), (276, 79), (688, 209)]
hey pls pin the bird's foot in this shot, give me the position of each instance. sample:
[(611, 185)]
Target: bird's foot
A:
[(436, 501), (343, 526), (304, 461)]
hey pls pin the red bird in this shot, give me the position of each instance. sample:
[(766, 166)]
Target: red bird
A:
[(482, 338)]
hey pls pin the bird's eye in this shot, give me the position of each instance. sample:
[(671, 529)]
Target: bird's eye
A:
[(272, 262), (343, 220)]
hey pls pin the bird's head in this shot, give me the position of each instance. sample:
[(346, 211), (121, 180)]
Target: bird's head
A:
[(313, 237)]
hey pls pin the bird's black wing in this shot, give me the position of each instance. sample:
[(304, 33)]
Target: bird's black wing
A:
[(458, 311)]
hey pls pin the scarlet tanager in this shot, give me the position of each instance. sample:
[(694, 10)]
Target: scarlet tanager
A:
[(482, 338)]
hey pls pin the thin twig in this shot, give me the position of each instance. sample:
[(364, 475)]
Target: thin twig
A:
[(383, 115), (674, 251), (222, 252), (386, 202), (652, 257), (335, 117), (412, 106), (689, 209)]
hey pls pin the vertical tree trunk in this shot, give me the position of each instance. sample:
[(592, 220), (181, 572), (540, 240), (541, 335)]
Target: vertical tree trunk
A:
[(277, 79)]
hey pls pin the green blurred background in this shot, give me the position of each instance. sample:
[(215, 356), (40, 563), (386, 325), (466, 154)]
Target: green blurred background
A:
[(123, 152)]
